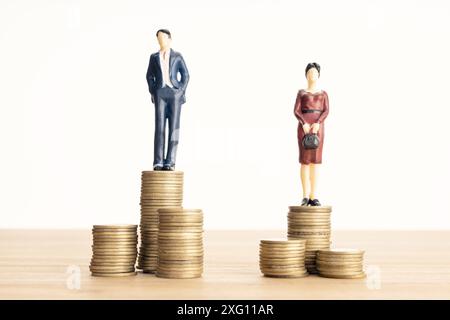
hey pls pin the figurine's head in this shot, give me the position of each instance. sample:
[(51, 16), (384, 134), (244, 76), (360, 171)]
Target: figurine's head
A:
[(312, 71), (164, 38)]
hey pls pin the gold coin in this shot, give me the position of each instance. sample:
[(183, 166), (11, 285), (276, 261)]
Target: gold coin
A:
[(320, 245), (111, 264), (180, 243), (308, 224), (180, 258), (191, 258), (162, 264), (176, 225), (154, 205), (300, 275), (179, 235), (294, 217), (283, 242), (101, 253), (170, 187), (342, 263), (266, 251), (178, 275), (270, 258), (179, 267), (353, 276), (158, 191), (282, 266), (282, 250), (148, 260), (111, 269), (126, 274), (114, 238), (165, 174), (280, 256), (180, 210), (316, 246), (114, 245), (114, 249), (119, 232), (145, 204), (163, 249), (180, 217), (96, 260), (310, 208), (339, 262), (162, 183), (116, 226), (160, 177), (326, 236), (297, 245), (166, 248), (198, 222), (333, 252), (185, 250), (340, 271), (283, 272)]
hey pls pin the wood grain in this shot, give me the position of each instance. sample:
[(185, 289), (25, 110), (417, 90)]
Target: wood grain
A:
[(401, 265)]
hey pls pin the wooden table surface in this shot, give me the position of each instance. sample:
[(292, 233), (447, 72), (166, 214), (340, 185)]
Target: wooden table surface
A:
[(44, 264)]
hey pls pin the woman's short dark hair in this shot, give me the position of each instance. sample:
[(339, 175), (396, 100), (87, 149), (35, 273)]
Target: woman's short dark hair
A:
[(164, 31), (312, 65)]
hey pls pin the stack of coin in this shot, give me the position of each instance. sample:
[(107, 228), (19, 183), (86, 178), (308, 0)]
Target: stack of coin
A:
[(340, 263), (313, 224), (180, 243), (114, 251), (282, 258), (160, 189)]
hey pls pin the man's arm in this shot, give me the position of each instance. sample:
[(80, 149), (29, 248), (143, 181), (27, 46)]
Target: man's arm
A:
[(151, 81), (184, 74)]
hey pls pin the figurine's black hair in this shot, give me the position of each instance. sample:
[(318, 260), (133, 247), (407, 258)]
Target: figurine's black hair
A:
[(312, 65), (164, 31)]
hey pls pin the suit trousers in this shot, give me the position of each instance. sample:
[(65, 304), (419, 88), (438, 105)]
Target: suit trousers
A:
[(167, 106)]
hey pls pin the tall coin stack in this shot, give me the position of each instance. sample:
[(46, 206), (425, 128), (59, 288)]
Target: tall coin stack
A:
[(180, 243), (159, 189), (340, 263), (282, 258), (313, 224), (114, 250)]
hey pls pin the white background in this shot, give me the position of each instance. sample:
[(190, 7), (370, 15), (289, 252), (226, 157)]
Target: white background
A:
[(77, 121)]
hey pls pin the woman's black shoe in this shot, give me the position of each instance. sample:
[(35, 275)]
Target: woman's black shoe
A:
[(314, 203), (305, 202)]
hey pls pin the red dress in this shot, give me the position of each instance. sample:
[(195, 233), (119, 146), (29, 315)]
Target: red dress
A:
[(311, 101)]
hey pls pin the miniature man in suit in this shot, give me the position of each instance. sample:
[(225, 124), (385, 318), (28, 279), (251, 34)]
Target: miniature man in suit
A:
[(168, 94)]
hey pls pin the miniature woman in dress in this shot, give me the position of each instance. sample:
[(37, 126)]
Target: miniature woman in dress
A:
[(311, 109)]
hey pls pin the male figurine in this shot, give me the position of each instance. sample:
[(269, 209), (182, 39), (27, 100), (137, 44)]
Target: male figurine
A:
[(168, 94)]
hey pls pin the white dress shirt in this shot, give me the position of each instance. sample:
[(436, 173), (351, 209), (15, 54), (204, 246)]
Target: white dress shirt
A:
[(164, 62)]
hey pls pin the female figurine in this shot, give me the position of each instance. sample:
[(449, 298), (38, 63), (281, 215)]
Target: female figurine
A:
[(311, 109)]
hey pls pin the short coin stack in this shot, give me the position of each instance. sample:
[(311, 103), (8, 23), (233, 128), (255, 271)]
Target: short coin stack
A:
[(159, 189), (340, 263), (180, 243), (282, 258), (114, 251), (313, 224)]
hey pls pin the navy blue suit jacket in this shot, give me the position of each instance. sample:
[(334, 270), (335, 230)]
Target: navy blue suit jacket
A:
[(176, 65)]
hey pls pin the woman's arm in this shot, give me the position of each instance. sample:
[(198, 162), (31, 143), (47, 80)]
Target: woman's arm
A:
[(298, 109), (326, 109)]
